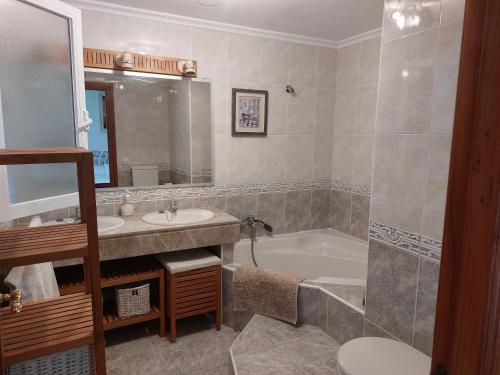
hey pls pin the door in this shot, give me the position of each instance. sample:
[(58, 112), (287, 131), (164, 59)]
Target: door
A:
[(467, 334), (41, 101), (102, 135)]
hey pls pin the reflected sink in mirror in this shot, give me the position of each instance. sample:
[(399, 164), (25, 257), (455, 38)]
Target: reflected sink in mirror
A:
[(105, 224), (182, 217)]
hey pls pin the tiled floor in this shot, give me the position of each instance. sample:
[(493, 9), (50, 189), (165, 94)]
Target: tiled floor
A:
[(267, 347), (199, 350)]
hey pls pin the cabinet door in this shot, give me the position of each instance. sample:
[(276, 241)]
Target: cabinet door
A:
[(41, 101)]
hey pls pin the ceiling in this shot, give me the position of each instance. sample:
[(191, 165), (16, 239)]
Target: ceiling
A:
[(332, 20)]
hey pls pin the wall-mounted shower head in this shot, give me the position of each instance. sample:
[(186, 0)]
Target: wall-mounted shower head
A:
[(289, 89)]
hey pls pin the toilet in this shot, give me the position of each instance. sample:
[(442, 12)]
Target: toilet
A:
[(380, 356), (145, 175)]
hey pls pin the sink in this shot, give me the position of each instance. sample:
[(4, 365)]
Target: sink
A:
[(105, 224), (182, 217)]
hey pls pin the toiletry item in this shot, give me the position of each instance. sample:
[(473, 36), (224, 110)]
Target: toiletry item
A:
[(127, 208)]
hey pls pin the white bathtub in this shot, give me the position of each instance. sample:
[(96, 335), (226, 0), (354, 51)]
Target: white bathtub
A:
[(324, 255)]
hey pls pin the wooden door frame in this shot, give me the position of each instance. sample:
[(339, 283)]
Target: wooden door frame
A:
[(467, 333), (107, 87)]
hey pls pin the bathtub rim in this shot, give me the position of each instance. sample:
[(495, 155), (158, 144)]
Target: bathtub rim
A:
[(309, 284)]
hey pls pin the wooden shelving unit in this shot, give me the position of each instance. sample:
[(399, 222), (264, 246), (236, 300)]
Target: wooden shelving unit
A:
[(70, 321), (116, 273)]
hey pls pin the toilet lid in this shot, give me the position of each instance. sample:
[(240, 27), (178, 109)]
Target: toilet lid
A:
[(379, 356)]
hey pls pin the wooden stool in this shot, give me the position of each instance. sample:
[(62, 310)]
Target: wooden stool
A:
[(193, 285)]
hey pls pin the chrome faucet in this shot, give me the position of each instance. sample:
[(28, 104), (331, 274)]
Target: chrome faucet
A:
[(252, 222), (172, 208)]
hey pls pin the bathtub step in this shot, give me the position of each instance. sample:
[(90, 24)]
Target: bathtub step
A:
[(267, 345)]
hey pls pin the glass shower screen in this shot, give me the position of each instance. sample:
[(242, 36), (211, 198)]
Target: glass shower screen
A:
[(36, 95)]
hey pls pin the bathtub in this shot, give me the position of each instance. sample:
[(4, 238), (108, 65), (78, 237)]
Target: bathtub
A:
[(323, 256)]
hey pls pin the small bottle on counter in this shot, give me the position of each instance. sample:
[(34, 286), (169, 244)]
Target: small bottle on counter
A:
[(127, 208)]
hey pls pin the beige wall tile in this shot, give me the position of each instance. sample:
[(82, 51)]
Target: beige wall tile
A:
[(327, 68), (445, 81), (436, 189), (369, 61), (210, 50), (274, 62), (342, 158), (303, 64), (348, 65), (94, 29), (301, 111), (362, 160), (128, 34), (399, 175), (345, 111), (168, 39), (428, 14), (299, 157), (277, 110), (452, 11), (365, 110), (254, 160), (243, 57), (220, 159), (406, 84), (325, 111), (322, 162), (297, 211), (220, 107)]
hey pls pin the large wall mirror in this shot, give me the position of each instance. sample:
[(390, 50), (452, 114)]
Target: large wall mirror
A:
[(149, 129)]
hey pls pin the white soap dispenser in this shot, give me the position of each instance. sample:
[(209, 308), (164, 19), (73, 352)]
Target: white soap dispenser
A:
[(127, 208)]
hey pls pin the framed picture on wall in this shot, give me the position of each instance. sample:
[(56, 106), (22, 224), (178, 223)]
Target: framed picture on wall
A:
[(249, 112)]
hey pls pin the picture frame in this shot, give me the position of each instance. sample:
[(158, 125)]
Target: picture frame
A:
[(249, 112)]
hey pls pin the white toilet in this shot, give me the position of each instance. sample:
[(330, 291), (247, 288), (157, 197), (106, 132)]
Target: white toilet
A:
[(145, 175), (379, 356)]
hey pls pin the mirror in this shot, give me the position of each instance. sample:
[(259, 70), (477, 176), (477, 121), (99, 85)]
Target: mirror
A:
[(149, 129)]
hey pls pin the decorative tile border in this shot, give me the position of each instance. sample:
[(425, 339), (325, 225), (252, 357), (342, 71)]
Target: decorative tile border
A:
[(350, 188), (401, 239), (431, 247), (223, 190), (413, 243)]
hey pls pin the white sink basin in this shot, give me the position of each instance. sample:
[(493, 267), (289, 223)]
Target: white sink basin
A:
[(105, 224), (182, 217)]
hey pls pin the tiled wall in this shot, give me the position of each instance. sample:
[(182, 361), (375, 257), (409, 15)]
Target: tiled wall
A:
[(298, 150), (298, 146), (417, 86), (353, 136)]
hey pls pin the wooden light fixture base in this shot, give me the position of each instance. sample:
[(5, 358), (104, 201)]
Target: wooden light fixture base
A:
[(106, 59)]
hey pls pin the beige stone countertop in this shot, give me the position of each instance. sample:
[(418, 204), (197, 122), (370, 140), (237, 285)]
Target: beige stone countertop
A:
[(135, 226)]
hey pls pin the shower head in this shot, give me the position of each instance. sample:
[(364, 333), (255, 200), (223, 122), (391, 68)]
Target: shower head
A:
[(290, 90)]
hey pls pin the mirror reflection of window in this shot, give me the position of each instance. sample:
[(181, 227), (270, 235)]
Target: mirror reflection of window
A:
[(156, 130), (101, 136)]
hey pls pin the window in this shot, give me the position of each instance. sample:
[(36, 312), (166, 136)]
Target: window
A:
[(42, 102)]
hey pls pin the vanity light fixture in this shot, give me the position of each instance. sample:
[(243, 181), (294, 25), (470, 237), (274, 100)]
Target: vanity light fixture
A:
[(125, 60), (186, 67)]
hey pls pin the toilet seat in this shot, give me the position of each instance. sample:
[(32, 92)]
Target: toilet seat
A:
[(380, 356)]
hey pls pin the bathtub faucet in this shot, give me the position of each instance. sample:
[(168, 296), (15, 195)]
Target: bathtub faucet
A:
[(252, 222)]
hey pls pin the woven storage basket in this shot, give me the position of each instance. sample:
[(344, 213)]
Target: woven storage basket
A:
[(133, 301), (74, 361)]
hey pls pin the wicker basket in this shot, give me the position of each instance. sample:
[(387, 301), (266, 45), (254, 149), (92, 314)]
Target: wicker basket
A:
[(74, 361), (133, 301)]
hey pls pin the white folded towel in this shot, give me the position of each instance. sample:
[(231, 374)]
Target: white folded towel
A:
[(35, 281)]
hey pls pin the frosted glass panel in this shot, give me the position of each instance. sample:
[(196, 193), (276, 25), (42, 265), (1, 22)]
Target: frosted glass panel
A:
[(36, 96)]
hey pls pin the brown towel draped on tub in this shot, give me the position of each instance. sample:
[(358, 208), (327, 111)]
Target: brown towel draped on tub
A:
[(266, 293)]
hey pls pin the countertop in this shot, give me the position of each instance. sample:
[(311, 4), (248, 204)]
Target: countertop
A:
[(135, 226)]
